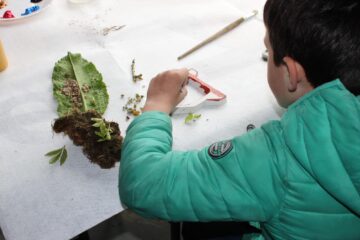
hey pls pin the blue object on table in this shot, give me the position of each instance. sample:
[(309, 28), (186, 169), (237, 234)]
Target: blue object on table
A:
[(30, 10)]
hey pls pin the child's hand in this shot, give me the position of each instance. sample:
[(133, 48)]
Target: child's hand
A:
[(166, 90)]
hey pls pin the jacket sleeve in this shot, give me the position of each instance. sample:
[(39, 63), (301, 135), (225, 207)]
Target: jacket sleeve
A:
[(196, 186)]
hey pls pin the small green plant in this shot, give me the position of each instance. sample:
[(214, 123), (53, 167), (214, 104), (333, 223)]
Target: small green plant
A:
[(191, 117), (56, 155), (104, 131)]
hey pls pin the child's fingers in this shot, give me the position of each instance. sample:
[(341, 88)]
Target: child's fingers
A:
[(182, 95), (184, 76)]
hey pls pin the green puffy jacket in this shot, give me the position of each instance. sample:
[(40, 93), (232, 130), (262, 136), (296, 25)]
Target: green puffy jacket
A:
[(299, 177)]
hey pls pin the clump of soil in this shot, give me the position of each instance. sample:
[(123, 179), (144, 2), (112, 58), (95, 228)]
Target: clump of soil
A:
[(78, 126)]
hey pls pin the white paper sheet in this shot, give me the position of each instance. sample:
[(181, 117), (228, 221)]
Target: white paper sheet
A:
[(41, 201)]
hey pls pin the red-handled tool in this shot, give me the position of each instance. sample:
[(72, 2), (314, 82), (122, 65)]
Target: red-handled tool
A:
[(212, 97)]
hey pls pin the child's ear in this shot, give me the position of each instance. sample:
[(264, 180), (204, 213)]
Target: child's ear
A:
[(295, 73)]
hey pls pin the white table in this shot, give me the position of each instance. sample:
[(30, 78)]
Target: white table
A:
[(42, 201)]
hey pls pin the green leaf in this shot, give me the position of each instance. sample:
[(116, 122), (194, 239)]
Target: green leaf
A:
[(53, 153), (192, 117), (59, 154), (104, 132), (197, 116), (102, 128), (63, 156), (77, 84), (188, 118), (108, 136), (99, 134), (55, 158), (96, 125)]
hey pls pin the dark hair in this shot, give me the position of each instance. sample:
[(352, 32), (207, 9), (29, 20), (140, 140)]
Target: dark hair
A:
[(322, 35)]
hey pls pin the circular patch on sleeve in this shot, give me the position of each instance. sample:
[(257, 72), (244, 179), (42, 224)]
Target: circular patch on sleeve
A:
[(220, 149)]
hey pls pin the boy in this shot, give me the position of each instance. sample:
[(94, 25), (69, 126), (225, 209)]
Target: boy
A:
[(300, 176)]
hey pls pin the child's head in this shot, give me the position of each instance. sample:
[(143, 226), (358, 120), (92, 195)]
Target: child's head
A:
[(313, 40)]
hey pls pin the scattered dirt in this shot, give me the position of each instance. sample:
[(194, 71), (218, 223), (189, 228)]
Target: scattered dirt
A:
[(85, 88), (78, 126), (71, 89), (132, 107), (107, 30)]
